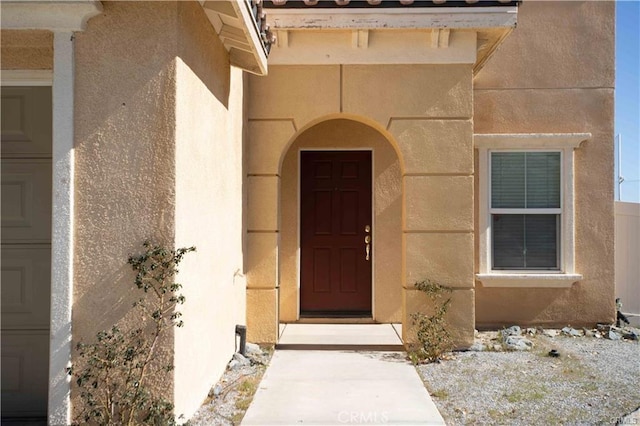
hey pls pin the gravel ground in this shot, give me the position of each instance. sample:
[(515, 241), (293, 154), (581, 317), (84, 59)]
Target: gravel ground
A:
[(230, 397), (593, 381)]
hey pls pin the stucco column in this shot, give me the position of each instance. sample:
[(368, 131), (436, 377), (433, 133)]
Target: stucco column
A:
[(438, 205), (262, 257), (62, 229), (266, 140), (438, 222)]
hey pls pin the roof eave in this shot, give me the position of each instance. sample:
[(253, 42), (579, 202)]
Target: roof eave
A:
[(400, 18), (239, 33), (492, 24)]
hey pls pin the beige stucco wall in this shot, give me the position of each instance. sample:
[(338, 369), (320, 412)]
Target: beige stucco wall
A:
[(208, 206), (26, 50), (423, 112), (125, 171), (159, 155), (555, 73)]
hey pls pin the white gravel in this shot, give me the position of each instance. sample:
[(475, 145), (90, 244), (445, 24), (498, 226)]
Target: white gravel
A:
[(593, 381), (229, 399)]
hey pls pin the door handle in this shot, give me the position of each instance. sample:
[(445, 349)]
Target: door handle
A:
[(367, 248)]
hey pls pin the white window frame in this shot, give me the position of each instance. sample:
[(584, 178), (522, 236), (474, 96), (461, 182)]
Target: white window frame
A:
[(565, 143)]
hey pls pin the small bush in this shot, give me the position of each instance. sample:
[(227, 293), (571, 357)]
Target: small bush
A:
[(113, 372), (434, 339)]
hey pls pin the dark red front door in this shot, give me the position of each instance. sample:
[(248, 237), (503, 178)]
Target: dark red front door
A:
[(335, 220)]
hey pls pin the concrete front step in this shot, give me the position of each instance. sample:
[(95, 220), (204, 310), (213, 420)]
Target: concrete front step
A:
[(370, 337)]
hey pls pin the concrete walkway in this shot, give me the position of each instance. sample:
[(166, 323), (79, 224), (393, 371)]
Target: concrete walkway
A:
[(333, 387)]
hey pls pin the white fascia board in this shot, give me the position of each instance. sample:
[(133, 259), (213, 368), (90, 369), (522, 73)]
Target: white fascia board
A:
[(529, 140), (459, 18), (26, 77), (48, 15)]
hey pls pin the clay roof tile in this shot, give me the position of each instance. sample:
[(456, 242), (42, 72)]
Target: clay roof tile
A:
[(385, 3)]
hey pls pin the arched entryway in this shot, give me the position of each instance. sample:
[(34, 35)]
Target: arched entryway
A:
[(322, 253), (421, 115)]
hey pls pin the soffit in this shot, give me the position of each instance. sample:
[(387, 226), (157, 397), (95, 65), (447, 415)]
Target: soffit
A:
[(491, 21), (242, 28)]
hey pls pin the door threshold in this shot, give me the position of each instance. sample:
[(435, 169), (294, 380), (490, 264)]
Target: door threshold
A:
[(335, 320)]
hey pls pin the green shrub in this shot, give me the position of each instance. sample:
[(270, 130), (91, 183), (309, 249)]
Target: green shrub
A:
[(434, 339), (114, 371)]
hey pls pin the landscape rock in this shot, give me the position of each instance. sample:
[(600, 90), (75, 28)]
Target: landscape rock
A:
[(217, 390), (569, 331), (243, 361), (588, 333), (603, 328), (518, 343), (531, 331), (612, 335), (514, 330), (478, 347), (631, 335), (551, 333), (233, 364), (252, 349)]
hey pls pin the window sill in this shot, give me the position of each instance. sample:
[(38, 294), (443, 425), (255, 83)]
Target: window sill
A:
[(530, 280)]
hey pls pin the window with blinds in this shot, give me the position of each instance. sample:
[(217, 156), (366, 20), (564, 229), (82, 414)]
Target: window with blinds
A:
[(525, 210)]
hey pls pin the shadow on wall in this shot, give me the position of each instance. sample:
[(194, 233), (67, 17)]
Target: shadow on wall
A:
[(200, 48), (125, 83)]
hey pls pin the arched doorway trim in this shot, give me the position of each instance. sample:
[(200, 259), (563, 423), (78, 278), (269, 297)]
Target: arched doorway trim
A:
[(344, 132)]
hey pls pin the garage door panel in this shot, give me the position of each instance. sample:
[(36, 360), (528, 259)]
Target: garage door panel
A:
[(26, 201), (25, 373), (26, 148), (26, 277), (26, 121)]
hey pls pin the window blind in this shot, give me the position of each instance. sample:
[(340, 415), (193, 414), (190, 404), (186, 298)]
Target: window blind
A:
[(525, 180), (525, 241), (522, 181)]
